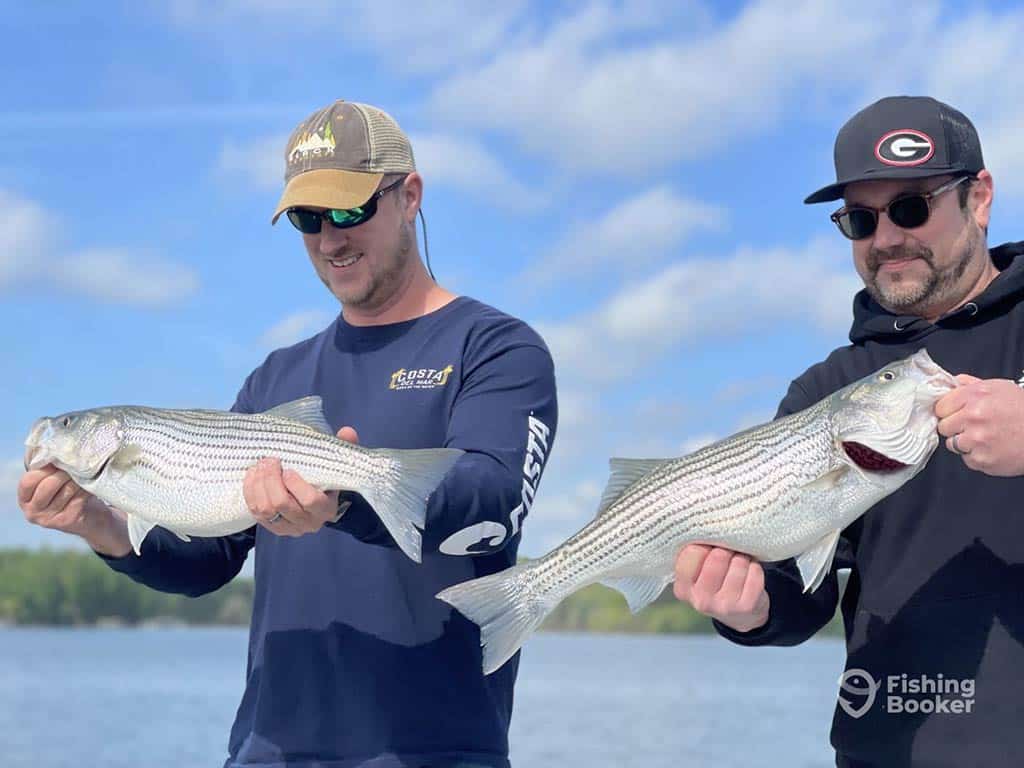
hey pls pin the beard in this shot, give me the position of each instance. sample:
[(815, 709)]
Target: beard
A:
[(385, 278), (905, 294)]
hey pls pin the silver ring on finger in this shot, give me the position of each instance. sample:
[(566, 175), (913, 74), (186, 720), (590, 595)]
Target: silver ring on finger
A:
[(275, 518), (956, 446)]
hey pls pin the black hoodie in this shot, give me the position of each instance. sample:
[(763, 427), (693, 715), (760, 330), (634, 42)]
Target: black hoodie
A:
[(936, 587)]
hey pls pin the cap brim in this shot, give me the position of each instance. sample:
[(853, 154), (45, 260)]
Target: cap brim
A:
[(327, 188), (835, 191)]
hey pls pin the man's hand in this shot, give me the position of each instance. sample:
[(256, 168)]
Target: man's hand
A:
[(50, 498), (284, 503), (722, 584), (983, 422)]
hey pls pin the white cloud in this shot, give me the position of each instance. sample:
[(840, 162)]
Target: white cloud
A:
[(432, 37), (418, 38), (978, 86), (24, 237), (464, 163), (588, 99), (636, 232), (124, 276), (634, 85), (114, 275), (295, 327), (259, 162), (707, 298)]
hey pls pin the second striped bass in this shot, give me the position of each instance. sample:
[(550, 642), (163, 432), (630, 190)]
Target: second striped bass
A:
[(183, 469), (780, 490)]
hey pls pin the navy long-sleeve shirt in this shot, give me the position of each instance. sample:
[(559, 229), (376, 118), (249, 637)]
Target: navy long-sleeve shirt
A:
[(352, 660)]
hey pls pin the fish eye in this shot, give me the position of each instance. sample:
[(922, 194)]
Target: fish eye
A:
[(887, 376), (66, 421)]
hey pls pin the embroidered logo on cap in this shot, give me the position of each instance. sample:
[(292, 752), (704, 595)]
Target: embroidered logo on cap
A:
[(314, 145), (905, 147)]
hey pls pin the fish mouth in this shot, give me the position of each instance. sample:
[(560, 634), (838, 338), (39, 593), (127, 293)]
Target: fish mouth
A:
[(937, 381), (35, 456), (871, 460), (32, 458)]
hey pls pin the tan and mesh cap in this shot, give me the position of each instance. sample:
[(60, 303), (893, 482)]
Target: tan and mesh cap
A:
[(338, 155)]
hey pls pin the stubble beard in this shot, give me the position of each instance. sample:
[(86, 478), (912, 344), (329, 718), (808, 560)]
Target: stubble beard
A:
[(384, 279)]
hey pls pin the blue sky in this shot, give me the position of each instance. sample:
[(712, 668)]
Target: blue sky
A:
[(626, 176)]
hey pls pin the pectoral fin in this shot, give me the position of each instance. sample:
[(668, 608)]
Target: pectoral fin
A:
[(816, 561), (125, 457), (828, 481), (137, 531)]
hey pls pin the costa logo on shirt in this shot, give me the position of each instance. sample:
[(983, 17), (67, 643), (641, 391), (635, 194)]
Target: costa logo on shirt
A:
[(905, 147), (420, 378)]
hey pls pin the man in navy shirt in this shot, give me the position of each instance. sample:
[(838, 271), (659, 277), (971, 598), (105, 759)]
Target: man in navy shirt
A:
[(352, 660)]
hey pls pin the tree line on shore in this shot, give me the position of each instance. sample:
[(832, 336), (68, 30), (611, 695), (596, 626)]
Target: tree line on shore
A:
[(74, 588)]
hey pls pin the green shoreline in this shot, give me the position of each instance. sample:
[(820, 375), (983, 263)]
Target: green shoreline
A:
[(70, 588)]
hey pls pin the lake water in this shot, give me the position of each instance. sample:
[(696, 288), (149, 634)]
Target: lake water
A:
[(165, 698)]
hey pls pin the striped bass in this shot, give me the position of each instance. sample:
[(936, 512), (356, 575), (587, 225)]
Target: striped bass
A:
[(183, 469), (779, 490)]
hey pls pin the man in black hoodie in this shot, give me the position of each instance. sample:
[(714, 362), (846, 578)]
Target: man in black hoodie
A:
[(934, 605)]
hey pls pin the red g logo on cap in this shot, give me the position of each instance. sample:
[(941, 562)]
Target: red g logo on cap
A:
[(905, 147)]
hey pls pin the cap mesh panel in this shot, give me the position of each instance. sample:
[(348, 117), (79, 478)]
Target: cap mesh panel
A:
[(390, 151)]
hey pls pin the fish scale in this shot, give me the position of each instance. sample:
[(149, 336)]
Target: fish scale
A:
[(184, 469), (782, 489), (650, 506)]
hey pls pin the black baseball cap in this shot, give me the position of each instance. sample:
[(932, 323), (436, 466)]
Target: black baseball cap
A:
[(903, 137)]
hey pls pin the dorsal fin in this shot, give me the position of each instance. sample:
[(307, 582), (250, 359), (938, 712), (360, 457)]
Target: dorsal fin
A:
[(625, 472), (307, 410)]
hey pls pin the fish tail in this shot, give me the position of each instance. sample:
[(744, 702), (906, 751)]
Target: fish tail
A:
[(506, 608), (400, 498)]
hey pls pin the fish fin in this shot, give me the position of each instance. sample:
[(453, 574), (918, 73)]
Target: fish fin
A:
[(827, 481), (126, 456), (639, 591), (306, 410), (400, 499), (183, 536), (625, 472), (816, 561), (505, 608), (137, 531)]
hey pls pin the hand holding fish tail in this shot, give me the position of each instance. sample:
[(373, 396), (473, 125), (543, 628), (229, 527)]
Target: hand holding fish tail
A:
[(284, 503), (725, 585), (49, 498)]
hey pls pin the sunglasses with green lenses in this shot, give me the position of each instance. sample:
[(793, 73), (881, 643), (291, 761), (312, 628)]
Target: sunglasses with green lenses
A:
[(310, 222), (907, 211)]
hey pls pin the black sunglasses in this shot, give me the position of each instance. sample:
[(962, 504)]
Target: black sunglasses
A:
[(310, 222), (906, 212)]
